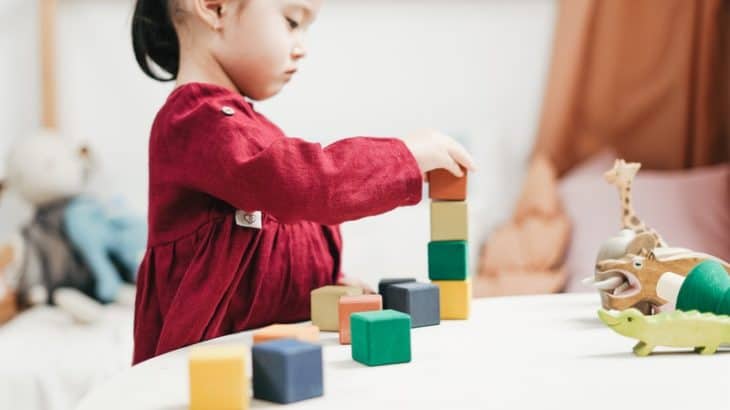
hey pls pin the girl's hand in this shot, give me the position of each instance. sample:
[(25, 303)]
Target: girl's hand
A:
[(357, 283), (434, 150)]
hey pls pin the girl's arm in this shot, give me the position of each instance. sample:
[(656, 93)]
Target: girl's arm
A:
[(295, 180)]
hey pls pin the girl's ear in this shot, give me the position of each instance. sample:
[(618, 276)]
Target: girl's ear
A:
[(211, 12)]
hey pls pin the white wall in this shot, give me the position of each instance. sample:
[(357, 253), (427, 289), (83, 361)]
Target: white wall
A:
[(19, 90), (469, 67)]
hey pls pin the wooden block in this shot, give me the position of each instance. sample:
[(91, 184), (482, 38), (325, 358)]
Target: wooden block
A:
[(305, 333), (353, 304), (324, 303), (449, 221), (218, 377), (448, 260), (455, 299), (286, 370), (419, 300), (443, 185), (381, 337), (385, 283)]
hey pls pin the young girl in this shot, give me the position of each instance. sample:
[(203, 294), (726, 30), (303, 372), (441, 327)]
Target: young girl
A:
[(212, 157)]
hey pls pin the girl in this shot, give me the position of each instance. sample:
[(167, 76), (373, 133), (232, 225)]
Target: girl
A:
[(242, 219)]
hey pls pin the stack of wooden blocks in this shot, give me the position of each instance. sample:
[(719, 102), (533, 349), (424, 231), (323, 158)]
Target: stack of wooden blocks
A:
[(287, 359), (448, 248)]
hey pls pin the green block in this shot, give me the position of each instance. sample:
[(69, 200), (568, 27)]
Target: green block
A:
[(381, 337), (447, 260)]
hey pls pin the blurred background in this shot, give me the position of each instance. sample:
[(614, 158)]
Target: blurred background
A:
[(544, 93), (474, 69)]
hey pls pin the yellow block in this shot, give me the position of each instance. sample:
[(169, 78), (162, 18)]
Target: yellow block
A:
[(449, 221), (218, 378), (454, 298), (325, 301), (305, 333)]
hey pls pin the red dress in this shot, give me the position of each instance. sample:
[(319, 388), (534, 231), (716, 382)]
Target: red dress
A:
[(204, 276)]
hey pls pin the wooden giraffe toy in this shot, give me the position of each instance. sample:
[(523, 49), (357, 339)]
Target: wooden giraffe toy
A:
[(622, 176), (630, 264), (631, 281)]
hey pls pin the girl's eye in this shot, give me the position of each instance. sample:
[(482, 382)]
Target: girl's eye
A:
[(292, 23)]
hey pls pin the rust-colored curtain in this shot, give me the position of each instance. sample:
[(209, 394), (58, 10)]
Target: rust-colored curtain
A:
[(648, 78)]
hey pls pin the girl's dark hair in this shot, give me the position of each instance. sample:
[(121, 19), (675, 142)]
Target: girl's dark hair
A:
[(154, 38)]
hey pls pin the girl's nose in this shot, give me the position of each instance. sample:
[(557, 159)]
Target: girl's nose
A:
[(298, 52)]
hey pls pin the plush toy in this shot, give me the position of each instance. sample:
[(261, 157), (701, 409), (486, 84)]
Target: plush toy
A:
[(74, 253), (111, 242)]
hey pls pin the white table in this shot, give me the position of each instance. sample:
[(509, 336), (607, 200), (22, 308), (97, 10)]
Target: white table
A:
[(543, 352)]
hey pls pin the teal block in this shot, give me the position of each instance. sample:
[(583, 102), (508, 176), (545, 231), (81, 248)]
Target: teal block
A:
[(381, 337), (447, 260), (706, 289)]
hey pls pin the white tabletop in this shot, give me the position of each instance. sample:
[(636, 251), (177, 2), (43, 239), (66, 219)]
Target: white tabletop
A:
[(543, 352)]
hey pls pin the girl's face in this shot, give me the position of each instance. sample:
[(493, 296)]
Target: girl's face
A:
[(261, 42)]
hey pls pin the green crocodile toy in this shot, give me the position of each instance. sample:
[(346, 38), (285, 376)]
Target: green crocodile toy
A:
[(703, 331)]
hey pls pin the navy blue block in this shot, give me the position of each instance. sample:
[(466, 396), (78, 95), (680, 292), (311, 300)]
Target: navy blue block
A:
[(287, 370), (385, 283), (420, 300)]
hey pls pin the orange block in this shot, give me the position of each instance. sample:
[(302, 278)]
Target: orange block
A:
[(353, 304), (305, 333), (443, 185)]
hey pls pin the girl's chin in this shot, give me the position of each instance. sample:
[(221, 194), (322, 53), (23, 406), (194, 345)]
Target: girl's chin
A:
[(260, 96), (265, 93)]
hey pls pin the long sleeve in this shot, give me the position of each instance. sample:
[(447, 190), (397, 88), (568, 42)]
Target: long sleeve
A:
[(291, 179), (203, 276)]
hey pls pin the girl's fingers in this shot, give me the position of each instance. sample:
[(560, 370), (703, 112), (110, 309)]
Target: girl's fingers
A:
[(354, 282), (453, 167), (461, 156)]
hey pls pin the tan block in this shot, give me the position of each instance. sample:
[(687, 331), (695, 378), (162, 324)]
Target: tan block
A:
[(218, 377), (324, 304), (449, 221), (305, 333)]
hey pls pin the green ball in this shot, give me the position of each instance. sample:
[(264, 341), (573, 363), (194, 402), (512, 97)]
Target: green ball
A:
[(706, 289)]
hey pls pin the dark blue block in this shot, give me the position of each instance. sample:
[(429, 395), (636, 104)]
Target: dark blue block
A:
[(287, 370), (385, 283), (420, 300)]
